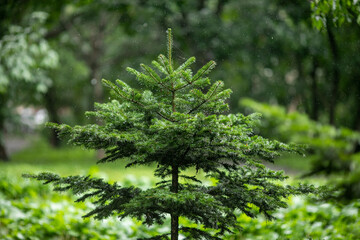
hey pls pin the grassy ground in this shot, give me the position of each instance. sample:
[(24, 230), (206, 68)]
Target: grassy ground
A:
[(40, 157)]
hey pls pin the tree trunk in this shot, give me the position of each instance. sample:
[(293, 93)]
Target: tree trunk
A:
[(336, 73), (357, 119), (314, 92), (356, 125), (220, 7), (297, 99), (3, 154), (174, 216), (93, 59), (97, 95), (50, 104)]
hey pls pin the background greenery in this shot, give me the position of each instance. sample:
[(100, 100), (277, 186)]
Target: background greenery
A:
[(301, 56)]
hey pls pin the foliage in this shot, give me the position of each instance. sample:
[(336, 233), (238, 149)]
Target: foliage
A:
[(175, 122), (305, 220), (336, 11), (30, 210), (25, 59), (25, 56), (284, 59), (334, 150)]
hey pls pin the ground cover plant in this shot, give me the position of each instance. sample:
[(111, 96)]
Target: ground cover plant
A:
[(176, 122), (29, 210)]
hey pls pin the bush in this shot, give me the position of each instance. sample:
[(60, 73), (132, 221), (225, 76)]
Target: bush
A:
[(334, 151)]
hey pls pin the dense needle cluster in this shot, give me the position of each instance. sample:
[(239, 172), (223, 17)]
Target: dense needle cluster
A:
[(175, 124)]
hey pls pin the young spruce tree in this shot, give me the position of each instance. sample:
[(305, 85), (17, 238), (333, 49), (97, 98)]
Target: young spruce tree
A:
[(175, 124)]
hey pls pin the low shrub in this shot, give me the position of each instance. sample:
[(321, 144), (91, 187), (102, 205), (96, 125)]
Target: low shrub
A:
[(28, 210)]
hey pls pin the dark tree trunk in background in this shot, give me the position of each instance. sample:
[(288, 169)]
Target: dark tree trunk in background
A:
[(201, 4), (356, 125), (3, 154), (94, 59), (357, 119), (336, 73), (50, 104), (220, 6), (314, 92), (97, 95), (299, 96)]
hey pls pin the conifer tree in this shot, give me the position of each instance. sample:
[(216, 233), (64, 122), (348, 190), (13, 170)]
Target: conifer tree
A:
[(175, 123)]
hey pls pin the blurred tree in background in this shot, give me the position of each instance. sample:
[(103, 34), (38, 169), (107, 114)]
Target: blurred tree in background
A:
[(25, 58), (302, 55), (333, 151)]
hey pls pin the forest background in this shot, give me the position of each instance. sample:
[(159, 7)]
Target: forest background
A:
[(300, 55), (300, 58)]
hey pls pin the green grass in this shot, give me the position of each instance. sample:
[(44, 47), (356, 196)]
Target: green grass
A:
[(68, 160), (40, 157), (294, 163)]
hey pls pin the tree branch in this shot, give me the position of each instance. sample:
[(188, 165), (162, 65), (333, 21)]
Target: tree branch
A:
[(160, 83), (205, 101)]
